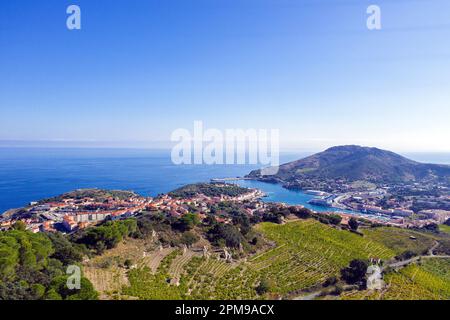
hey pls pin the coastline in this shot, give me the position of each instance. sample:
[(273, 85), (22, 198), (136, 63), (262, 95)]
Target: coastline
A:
[(302, 193)]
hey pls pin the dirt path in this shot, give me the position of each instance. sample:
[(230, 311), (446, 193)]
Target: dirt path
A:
[(395, 265), (404, 263), (310, 296)]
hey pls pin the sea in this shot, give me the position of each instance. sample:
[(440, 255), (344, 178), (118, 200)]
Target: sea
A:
[(31, 174)]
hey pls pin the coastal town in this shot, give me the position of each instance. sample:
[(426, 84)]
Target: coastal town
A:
[(67, 214), (369, 181), (83, 208), (405, 205)]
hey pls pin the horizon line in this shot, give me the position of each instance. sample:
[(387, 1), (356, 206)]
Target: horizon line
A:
[(165, 145)]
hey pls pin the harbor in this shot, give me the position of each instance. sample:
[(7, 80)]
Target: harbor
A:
[(314, 200)]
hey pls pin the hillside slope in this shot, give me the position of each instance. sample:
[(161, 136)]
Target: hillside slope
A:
[(354, 163)]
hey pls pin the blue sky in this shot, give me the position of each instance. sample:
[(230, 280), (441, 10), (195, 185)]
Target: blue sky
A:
[(140, 69)]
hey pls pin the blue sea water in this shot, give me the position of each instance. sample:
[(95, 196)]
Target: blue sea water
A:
[(30, 174), (276, 193)]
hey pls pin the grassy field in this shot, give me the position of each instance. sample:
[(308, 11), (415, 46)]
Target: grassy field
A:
[(304, 254), (429, 280), (444, 228), (399, 240)]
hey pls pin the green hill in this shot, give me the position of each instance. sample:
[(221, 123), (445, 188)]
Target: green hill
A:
[(353, 163), (210, 190)]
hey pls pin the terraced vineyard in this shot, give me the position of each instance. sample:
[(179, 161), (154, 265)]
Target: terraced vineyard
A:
[(400, 240), (154, 259), (306, 253), (177, 267), (108, 282), (428, 281), (146, 285), (215, 279), (444, 228)]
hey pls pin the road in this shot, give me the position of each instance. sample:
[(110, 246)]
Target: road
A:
[(403, 263), (394, 265), (310, 296)]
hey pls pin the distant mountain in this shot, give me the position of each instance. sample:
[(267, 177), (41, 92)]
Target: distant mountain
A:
[(353, 163)]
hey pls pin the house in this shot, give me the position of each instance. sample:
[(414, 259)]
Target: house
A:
[(403, 212), (69, 223), (91, 217), (47, 226), (439, 215)]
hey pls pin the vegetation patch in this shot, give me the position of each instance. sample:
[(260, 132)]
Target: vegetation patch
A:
[(444, 228), (428, 280), (401, 240), (209, 190), (33, 267), (306, 253)]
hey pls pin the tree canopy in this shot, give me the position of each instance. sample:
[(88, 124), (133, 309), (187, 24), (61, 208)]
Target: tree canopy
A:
[(30, 263)]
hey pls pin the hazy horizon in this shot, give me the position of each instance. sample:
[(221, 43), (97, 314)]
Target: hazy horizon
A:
[(167, 145), (438, 157)]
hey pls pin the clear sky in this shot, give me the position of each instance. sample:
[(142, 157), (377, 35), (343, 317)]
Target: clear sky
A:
[(137, 70)]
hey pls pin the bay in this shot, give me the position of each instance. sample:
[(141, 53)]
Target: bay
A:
[(30, 174)]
